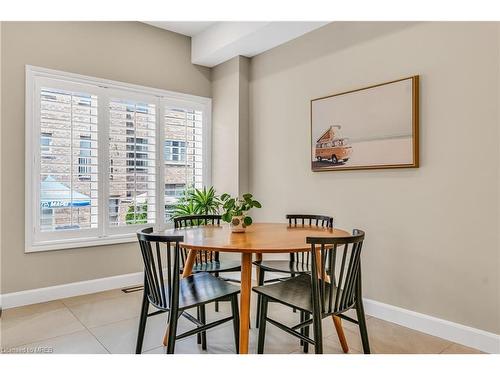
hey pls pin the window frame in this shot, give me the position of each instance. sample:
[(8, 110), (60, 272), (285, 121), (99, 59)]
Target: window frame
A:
[(105, 90)]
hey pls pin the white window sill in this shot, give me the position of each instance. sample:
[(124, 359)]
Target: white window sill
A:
[(80, 242)]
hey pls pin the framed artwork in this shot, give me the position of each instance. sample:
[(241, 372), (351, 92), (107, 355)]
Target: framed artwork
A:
[(370, 128)]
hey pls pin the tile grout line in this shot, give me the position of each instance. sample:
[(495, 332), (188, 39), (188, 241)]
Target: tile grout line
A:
[(62, 300), (51, 337), (101, 325), (447, 347), (107, 324), (87, 329)]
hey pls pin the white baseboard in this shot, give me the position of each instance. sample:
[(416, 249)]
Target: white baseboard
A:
[(28, 297), (472, 337), (475, 338)]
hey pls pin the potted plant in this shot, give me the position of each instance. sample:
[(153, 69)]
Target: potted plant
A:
[(198, 202), (235, 211)]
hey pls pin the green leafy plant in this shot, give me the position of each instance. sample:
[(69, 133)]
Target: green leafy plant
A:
[(198, 202), (184, 206), (137, 218), (238, 207), (205, 201)]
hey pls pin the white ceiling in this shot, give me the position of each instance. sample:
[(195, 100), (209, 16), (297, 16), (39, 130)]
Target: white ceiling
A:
[(215, 42), (189, 28)]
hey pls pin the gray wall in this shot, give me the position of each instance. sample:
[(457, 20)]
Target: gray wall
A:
[(230, 153), (432, 233), (225, 102), (124, 51)]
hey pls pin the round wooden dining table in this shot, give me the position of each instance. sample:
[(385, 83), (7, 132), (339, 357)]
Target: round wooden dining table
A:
[(259, 238)]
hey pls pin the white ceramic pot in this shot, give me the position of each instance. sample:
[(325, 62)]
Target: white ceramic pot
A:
[(237, 224)]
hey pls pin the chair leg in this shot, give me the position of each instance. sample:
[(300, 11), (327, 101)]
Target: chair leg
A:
[(318, 332), (307, 316), (262, 325), (360, 312), (203, 319), (216, 274), (236, 322), (302, 314), (294, 309), (142, 324), (172, 330), (198, 316), (260, 282)]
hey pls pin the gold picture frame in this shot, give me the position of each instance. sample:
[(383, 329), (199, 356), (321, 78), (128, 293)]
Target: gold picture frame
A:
[(392, 106)]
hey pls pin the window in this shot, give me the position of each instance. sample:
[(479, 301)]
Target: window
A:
[(183, 156), (85, 159), (46, 219), (66, 201), (172, 194), (175, 151), (106, 158), (132, 152), (114, 209), (174, 190), (45, 143)]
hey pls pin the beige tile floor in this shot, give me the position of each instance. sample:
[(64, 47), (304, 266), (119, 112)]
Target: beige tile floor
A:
[(107, 323)]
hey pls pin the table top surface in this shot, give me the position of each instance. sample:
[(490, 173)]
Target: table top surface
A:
[(258, 238)]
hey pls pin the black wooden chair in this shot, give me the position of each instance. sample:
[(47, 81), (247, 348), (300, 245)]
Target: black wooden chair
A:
[(323, 292), (206, 261), (299, 263), (175, 295)]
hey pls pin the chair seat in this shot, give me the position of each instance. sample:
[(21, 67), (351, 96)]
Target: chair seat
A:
[(295, 292), (202, 288), (284, 266), (212, 267)]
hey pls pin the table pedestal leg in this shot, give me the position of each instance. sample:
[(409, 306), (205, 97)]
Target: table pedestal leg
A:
[(188, 268), (246, 289)]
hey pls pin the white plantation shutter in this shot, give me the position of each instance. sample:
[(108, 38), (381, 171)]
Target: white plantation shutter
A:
[(105, 158), (132, 158), (183, 152), (68, 199)]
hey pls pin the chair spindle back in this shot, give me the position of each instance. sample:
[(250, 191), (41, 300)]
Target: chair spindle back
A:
[(162, 292), (307, 220), (198, 220), (337, 291)]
